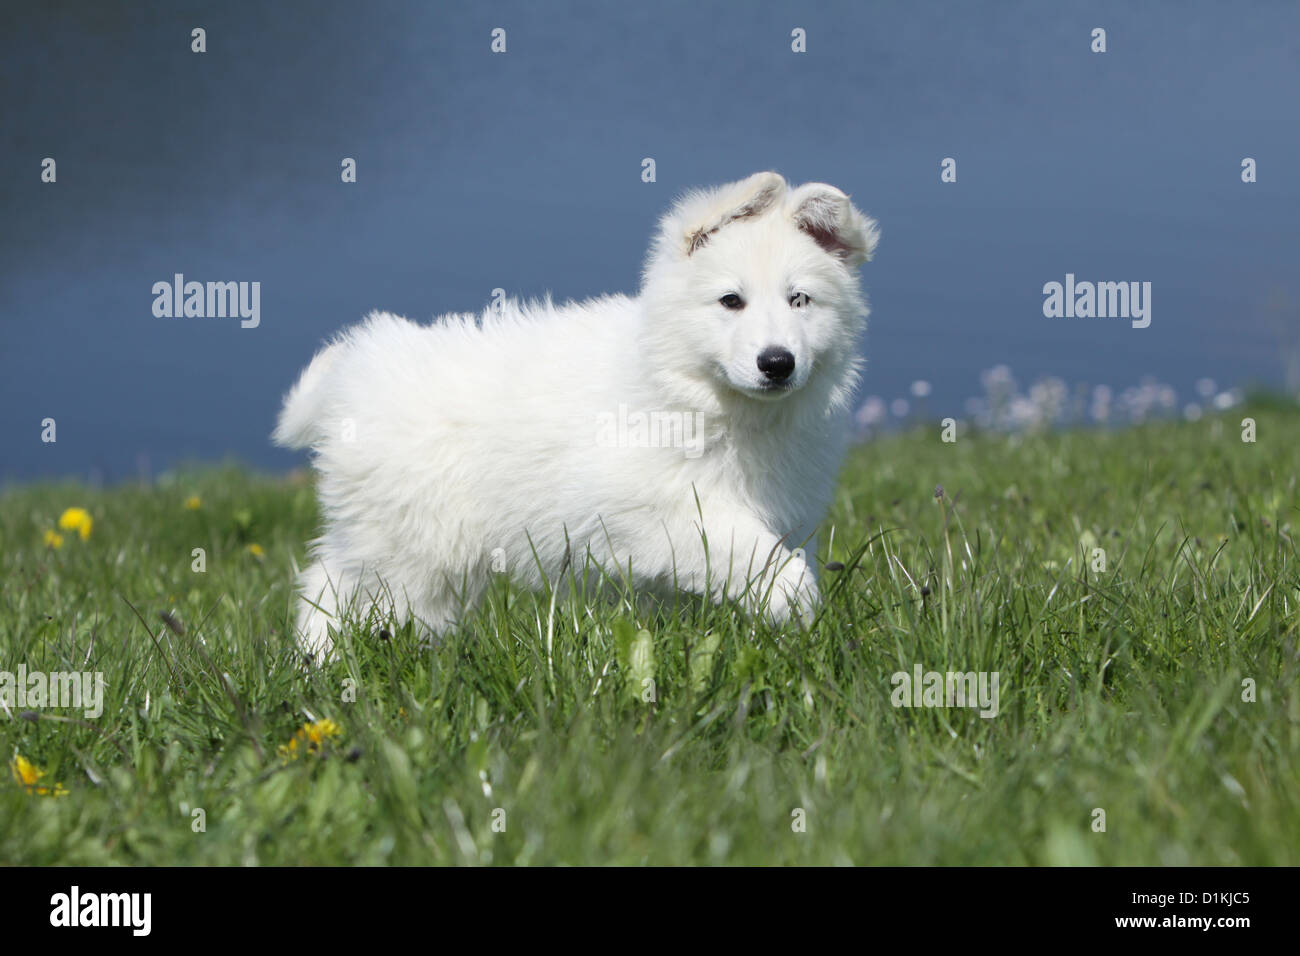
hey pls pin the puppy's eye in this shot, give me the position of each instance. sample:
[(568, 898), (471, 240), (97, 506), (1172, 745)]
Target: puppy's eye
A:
[(799, 300), (732, 301)]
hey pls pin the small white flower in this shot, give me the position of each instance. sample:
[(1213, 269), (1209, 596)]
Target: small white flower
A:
[(872, 412)]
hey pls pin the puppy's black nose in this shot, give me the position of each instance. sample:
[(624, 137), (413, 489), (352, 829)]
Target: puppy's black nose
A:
[(776, 363)]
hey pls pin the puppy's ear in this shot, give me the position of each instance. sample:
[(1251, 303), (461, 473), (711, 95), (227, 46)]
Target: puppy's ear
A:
[(827, 216), (701, 214)]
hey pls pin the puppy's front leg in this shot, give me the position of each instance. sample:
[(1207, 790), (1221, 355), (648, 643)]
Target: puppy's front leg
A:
[(750, 564)]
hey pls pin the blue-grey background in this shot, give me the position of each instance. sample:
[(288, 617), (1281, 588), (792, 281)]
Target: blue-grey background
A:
[(522, 171)]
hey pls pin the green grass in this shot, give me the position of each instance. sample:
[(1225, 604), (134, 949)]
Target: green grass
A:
[(1120, 690)]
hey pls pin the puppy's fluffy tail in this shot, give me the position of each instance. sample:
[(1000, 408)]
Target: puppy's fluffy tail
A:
[(302, 418)]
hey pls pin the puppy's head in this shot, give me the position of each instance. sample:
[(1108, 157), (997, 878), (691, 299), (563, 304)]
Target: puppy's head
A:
[(753, 287)]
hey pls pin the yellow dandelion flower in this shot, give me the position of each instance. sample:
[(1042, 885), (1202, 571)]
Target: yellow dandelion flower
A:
[(193, 503), (256, 550), (27, 774), (53, 539), (78, 520), (322, 729), (310, 738)]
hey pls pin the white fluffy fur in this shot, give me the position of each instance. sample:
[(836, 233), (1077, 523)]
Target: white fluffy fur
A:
[(450, 452)]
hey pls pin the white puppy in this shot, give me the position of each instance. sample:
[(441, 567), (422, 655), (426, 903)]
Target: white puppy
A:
[(688, 438)]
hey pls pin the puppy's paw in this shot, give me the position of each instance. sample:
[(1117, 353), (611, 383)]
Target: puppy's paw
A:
[(791, 594)]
